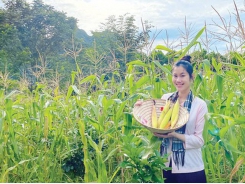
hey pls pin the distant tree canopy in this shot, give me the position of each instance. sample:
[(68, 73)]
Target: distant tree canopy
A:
[(121, 39), (35, 35), (39, 27)]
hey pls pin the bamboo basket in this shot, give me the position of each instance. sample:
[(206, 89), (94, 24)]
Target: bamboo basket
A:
[(143, 113)]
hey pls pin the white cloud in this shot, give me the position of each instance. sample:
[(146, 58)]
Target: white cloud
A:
[(162, 14)]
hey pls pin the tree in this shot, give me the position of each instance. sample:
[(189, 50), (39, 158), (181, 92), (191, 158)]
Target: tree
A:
[(12, 54), (121, 39), (39, 32), (40, 27)]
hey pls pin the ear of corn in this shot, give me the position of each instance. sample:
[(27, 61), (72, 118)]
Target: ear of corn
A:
[(154, 116), (164, 111), (175, 114), (166, 118), (168, 125)]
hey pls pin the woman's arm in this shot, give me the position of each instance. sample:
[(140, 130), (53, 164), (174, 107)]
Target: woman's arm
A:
[(171, 134), (195, 140)]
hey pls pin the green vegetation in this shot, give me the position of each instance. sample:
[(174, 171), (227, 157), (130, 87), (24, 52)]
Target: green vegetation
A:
[(67, 117)]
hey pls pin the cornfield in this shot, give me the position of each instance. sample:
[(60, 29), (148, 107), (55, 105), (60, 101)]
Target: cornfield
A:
[(89, 135)]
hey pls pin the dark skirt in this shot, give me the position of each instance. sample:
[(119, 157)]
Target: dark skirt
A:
[(193, 177)]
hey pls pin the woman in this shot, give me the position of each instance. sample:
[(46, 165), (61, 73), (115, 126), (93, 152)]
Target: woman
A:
[(184, 145)]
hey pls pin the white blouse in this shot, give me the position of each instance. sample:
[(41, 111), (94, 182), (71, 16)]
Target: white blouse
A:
[(193, 138)]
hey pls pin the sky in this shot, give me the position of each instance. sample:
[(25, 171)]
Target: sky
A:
[(162, 14)]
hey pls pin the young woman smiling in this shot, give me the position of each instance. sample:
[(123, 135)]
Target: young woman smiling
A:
[(183, 146)]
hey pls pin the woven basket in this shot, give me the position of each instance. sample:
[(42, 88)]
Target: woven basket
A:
[(143, 113)]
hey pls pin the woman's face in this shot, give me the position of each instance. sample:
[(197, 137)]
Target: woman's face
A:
[(181, 79)]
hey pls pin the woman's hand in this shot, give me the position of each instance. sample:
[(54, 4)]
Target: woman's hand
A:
[(168, 135), (138, 103), (171, 134)]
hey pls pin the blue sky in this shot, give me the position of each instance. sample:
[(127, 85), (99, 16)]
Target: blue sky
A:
[(162, 14)]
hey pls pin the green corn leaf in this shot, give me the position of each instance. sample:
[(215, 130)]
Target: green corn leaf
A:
[(128, 123), (101, 167), (69, 92), (163, 68), (138, 85), (239, 57), (100, 99), (88, 79), (138, 63), (73, 76), (76, 90), (192, 43), (119, 112), (219, 83), (240, 120), (162, 47), (111, 153)]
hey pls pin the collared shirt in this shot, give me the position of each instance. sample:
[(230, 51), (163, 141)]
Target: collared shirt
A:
[(193, 138)]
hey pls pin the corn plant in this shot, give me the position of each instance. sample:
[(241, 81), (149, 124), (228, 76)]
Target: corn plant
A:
[(224, 129)]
